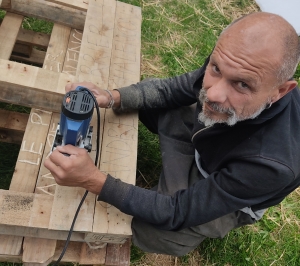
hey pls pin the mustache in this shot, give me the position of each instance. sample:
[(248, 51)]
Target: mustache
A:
[(215, 106)]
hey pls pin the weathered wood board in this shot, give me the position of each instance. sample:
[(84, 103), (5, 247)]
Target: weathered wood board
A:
[(76, 4), (8, 33), (32, 86), (42, 9), (119, 147), (107, 54), (12, 126)]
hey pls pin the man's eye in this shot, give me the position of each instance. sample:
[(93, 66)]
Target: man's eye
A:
[(242, 85), (215, 69)]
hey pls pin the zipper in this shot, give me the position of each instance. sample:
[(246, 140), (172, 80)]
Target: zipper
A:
[(199, 131)]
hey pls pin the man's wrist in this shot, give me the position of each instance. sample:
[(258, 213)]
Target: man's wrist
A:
[(117, 99), (114, 99), (96, 182)]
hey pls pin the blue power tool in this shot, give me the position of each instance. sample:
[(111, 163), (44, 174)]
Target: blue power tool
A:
[(76, 114)]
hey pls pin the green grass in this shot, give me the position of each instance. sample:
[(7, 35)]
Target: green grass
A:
[(177, 36)]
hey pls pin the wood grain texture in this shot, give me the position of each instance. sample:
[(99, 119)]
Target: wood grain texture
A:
[(33, 38), (57, 49), (119, 146), (9, 245), (12, 126), (55, 55), (36, 58), (49, 11), (32, 148), (90, 256), (32, 86), (93, 65), (5, 4), (76, 4), (72, 55), (38, 251), (8, 33)]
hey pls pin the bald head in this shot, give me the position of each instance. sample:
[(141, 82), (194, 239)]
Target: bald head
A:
[(271, 38)]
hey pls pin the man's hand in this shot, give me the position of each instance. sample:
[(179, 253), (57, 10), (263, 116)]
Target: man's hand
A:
[(103, 97), (76, 170)]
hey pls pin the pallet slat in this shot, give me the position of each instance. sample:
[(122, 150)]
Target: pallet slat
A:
[(94, 69), (12, 126), (119, 148), (33, 38), (56, 51), (38, 251), (76, 4), (32, 86), (8, 33), (49, 11)]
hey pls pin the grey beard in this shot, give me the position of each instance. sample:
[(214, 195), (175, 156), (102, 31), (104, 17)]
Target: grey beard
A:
[(232, 116)]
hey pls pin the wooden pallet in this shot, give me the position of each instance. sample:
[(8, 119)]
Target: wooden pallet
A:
[(102, 46)]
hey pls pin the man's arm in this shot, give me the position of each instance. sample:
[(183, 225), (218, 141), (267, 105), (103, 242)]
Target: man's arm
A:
[(162, 93), (149, 94), (223, 192)]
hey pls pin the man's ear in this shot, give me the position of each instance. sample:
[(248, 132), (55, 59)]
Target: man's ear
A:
[(284, 89)]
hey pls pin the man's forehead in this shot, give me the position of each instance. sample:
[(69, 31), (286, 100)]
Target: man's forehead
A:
[(240, 73)]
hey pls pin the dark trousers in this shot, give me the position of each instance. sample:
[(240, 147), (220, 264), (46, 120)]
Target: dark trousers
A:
[(179, 171)]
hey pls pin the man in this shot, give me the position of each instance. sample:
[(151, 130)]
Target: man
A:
[(229, 136)]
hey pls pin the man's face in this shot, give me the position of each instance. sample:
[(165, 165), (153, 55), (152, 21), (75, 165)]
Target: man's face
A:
[(238, 84)]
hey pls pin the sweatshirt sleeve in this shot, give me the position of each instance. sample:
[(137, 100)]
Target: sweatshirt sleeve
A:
[(223, 192), (161, 93)]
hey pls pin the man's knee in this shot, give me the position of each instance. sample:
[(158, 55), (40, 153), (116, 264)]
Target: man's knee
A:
[(153, 240)]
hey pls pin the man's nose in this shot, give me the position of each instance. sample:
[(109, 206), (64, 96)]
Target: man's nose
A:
[(217, 92)]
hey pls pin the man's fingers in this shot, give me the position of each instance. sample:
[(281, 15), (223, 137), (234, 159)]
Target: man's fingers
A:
[(52, 167), (69, 149)]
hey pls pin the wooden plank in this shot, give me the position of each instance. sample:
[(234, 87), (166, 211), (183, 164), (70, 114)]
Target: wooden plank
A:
[(38, 251), (54, 60), (29, 159), (24, 177), (33, 38), (124, 259), (93, 66), (17, 230), (8, 33), (90, 256), (72, 55), (32, 86), (36, 58), (56, 51), (49, 11), (76, 4), (118, 254), (112, 254), (119, 150), (9, 245), (19, 212), (23, 50), (46, 183), (72, 254), (11, 258), (6, 4), (96, 47), (12, 126)]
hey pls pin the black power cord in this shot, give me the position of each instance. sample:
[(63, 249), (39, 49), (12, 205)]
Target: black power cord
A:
[(86, 192)]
